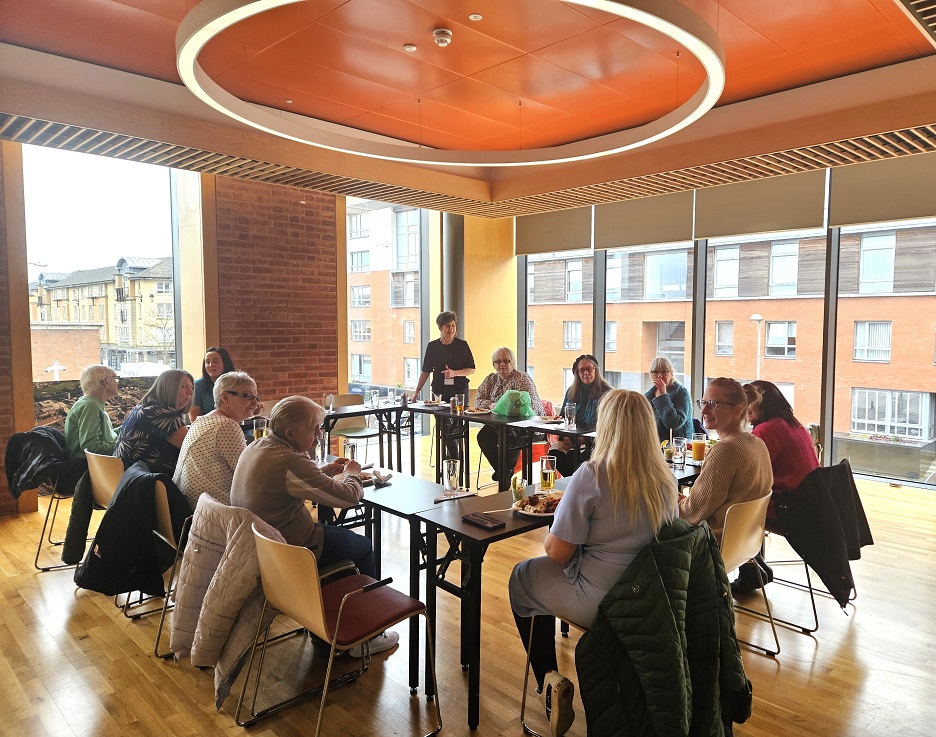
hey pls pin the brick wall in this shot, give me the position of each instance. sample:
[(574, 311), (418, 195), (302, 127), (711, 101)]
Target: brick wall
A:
[(7, 502), (277, 281), (73, 346)]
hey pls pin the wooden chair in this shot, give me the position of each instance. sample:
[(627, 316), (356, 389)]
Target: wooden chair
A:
[(742, 538), (353, 428), (105, 473), (165, 533), (345, 613)]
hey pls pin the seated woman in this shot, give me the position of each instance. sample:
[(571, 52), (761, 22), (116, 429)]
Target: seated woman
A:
[(736, 468), (792, 457), (88, 426), (154, 429), (275, 476), (613, 507), (672, 406), (215, 440), (588, 387), (217, 362), (504, 378)]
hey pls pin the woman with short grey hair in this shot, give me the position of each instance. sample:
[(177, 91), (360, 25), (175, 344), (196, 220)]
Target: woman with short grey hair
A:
[(87, 425)]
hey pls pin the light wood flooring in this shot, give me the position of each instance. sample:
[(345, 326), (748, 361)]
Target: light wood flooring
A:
[(70, 664)]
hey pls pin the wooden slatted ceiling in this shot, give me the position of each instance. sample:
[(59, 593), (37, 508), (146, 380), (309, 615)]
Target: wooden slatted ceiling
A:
[(876, 147)]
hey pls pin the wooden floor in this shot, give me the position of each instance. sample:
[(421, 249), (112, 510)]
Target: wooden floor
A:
[(71, 665)]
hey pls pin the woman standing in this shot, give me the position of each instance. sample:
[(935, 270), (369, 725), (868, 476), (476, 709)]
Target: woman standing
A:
[(217, 362), (215, 441), (88, 426), (736, 468), (588, 387), (155, 429), (613, 507), (504, 378), (672, 406)]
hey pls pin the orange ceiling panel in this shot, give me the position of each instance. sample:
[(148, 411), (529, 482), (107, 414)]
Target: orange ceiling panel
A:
[(485, 99), (442, 117)]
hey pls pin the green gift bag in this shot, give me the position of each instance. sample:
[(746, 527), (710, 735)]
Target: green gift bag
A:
[(514, 403)]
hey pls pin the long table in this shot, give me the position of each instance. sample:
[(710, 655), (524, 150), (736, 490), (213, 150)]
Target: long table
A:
[(389, 426)]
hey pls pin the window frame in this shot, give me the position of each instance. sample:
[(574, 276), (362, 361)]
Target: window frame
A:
[(863, 334), (356, 368), (360, 331), (870, 243), (789, 346), (611, 336), (409, 331), (360, 290), (569, 340), (363, 257), (574, 266), (724, 347), (783, 288), (726, 265)]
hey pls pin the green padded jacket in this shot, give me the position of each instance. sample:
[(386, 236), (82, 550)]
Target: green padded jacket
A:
[(661, 657)]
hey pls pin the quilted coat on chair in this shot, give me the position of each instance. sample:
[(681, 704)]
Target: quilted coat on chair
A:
[(661, 657)]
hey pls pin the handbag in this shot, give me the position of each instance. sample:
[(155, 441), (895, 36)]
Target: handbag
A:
[(514, 403)]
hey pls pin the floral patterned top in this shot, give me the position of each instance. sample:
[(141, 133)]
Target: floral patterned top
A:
[(144, 436), (493, 388)]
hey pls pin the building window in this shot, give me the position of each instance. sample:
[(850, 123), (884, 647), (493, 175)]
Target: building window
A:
[(574, 281), (164, 310), (101, 312), (410, 371), (357, 225), (530, 335), (665, 276), (567, 379), (724, 338), (784, 263), (530, 370), (893, 413), (360, 330), (360, 368), (531, 280), (781, 340), (360, 296), (671, 344), (877, 263), (572, 335), (123, 334), (872, 341), (406, 250), (409, 331), (360, 261), (611, 336), (164, 287), (404, 289), (615, 277), (726, 271)]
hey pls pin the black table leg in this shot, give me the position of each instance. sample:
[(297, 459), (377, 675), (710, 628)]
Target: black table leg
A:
[(432, 535), (475, 557), (415, 550)]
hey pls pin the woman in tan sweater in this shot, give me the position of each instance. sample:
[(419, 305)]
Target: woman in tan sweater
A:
[(736, 469)]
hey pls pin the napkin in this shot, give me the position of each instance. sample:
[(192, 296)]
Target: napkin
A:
[(380, 479), (459, 495)]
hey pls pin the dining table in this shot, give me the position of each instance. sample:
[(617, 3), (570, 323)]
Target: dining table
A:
[(390, 422)]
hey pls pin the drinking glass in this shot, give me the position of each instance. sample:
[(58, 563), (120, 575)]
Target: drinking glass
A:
[(350, 450), (451, 476), (698, 446), (260, 425), (328, 402), (679, 452), (322, 449), (569, 412), (459, 403), (548, 473)]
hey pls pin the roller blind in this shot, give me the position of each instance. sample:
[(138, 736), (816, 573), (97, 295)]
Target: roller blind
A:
[(565, 230), (663, 219), (895, 189), (790, 202)]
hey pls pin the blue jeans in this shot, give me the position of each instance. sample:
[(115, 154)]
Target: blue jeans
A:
[(342, 544)]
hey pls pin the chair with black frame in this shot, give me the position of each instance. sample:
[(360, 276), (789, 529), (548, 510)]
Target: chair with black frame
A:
[(344, 613), (353, 428)]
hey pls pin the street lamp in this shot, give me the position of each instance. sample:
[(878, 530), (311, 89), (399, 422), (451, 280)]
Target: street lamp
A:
[(758, 319)]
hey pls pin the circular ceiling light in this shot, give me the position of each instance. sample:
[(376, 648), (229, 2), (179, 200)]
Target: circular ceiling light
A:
[(210, 17)]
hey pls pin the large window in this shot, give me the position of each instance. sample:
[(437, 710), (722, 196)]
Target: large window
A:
[(361, 368), (784, 260), (666, 274), (726, 271), (893, 413), (781, 340), (877, 263), (572, 335), (360, 330), (724, 337), (872, 341), (360, 296), (406, 248)]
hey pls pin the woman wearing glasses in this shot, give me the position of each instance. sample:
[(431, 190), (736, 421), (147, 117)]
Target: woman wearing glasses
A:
[(588, 387), (504, 378), (672, 406), (215, 440), (736, 469)]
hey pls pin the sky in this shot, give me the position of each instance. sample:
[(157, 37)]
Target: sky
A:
[(85, 211)]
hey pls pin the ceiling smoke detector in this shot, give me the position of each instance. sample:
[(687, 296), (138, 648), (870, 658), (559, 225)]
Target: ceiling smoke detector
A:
[(442, 37)]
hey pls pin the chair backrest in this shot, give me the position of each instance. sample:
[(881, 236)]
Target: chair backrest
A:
[(290, 578), (743, 534), (105, 473), (163, 518), (349, 423), (549, 409)]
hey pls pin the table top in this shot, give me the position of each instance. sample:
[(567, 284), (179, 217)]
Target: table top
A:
[(449, 517), (404, 495)]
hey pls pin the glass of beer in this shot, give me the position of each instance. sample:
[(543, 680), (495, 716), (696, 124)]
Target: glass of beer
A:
[(548, 473), (260, 425), (698, 446), (459, 403), (451, 476)]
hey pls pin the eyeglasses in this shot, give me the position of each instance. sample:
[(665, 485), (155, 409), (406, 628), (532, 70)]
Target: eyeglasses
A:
[(713, 403), (586, 369), (249, 397), (659, 373), (504, 361)]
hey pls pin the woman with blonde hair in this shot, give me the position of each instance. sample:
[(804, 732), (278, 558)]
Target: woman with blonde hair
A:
[(613, 507)]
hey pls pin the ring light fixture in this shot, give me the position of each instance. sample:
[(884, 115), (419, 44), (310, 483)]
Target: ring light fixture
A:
[(210, 17)]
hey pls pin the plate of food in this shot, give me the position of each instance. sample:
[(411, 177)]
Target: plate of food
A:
[(538, 505), (431, 403), (477, 411), (549, 420)]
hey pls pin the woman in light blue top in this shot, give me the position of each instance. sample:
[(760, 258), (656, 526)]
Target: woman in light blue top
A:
[(88, 426)]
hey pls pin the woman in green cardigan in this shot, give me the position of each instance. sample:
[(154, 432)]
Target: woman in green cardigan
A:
[(87, 426)]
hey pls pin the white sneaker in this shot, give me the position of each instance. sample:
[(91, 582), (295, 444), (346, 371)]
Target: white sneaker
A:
[(557, 696), (379, 644)]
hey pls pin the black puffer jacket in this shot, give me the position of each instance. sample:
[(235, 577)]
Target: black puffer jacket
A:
[(40, 456), (661, 657)]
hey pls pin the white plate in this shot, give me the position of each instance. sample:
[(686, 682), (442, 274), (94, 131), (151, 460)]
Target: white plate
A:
[(477, 411), (558, 494), (549, 420)]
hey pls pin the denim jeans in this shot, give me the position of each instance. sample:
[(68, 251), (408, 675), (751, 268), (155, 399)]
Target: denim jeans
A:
[(341, 544)]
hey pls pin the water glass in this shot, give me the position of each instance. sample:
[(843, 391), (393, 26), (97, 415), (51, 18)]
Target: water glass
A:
[(698, 446), (547, 473), (260, 425), (350, 450), (451, 476), (679, 452), (322, 449), (569, 411), (328, 402)]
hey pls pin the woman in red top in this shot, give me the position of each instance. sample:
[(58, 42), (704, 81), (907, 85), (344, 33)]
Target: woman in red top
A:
[(792, 456)]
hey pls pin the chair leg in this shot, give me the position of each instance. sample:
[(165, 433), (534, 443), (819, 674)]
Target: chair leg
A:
[(527, 729), (49, 522), (769, 617), (169, 590), (478, 475)]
